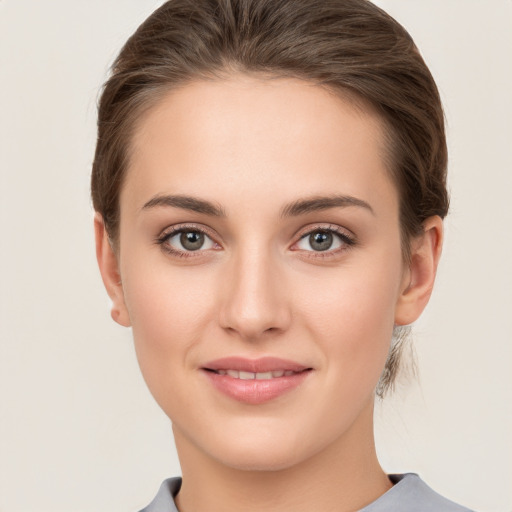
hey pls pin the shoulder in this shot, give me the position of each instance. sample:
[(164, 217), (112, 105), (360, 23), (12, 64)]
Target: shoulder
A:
[(164, 500), (411, 493)]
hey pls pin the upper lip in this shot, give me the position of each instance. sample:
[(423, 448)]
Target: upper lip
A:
[(260, 365)]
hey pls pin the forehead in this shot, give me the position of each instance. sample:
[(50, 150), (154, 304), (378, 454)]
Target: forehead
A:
[(279, 137)]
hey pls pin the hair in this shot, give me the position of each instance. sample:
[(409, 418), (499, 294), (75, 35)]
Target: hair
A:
[(351, 47)]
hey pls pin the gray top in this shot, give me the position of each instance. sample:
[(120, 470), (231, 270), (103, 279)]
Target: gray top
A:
[(408, 494)]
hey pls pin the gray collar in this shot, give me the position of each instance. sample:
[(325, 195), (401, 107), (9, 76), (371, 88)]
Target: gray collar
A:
[(408, 494)]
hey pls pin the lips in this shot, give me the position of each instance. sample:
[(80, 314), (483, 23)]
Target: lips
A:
[(255, 381)]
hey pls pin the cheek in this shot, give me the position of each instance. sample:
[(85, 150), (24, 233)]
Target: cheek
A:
[(352, 318), (170, 313)]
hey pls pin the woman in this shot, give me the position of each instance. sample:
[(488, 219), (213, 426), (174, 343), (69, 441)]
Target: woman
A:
[(269, 183)]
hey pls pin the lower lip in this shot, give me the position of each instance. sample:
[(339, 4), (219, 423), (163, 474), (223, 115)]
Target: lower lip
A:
[(254, 391)]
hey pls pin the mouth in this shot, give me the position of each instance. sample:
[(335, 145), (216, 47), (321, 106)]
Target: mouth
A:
[(255, 381)]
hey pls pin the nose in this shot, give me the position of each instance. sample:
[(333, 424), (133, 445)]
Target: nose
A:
[(255, 301)]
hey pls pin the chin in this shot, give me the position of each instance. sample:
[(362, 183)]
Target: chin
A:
[(260, 459), (263, 451)]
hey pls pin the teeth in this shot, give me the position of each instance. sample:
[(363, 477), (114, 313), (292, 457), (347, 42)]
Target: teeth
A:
[(264, 375), (235, 374)]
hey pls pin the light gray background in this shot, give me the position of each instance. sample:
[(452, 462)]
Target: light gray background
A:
[(78, 430)]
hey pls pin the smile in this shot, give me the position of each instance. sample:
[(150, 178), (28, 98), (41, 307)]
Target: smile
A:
[(255, 381)]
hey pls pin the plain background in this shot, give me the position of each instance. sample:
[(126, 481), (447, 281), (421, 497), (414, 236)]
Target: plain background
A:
[(78, 429)]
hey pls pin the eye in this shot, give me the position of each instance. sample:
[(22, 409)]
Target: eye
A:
[(183, 241), (323, 240)]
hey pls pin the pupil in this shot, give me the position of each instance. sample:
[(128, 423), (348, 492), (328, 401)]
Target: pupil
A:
[(192, 240), (321, 240)]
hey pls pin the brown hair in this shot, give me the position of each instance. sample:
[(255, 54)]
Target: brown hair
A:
[(346, 45)]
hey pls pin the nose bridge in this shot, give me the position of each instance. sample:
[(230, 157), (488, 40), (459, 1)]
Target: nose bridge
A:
[(253, 302)]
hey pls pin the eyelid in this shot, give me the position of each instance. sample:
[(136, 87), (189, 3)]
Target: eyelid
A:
[(187, 226), (324, 226)]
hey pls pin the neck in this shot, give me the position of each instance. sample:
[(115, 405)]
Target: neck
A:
[(343, 477)]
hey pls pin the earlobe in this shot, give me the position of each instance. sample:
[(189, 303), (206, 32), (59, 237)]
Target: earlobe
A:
[(425, 255), (109, 269)]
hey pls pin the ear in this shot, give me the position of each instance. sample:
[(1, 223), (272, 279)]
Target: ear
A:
[(109, 269), (420, 276)]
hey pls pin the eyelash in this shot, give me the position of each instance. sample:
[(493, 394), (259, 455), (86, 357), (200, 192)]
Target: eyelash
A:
[(347, 240)]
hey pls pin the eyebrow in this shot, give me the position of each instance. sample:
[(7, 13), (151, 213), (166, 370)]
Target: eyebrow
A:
[(296, 208), (186, 203), (319, 203)]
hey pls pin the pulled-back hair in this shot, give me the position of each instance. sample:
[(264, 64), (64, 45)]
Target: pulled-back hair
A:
[(349, 46)]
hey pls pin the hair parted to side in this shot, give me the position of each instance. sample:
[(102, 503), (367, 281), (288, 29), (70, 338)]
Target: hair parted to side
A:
[(349, 46)]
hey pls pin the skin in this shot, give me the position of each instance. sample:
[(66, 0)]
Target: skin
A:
[(251, 147)]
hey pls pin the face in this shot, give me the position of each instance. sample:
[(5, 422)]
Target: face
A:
[(261, 267)]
